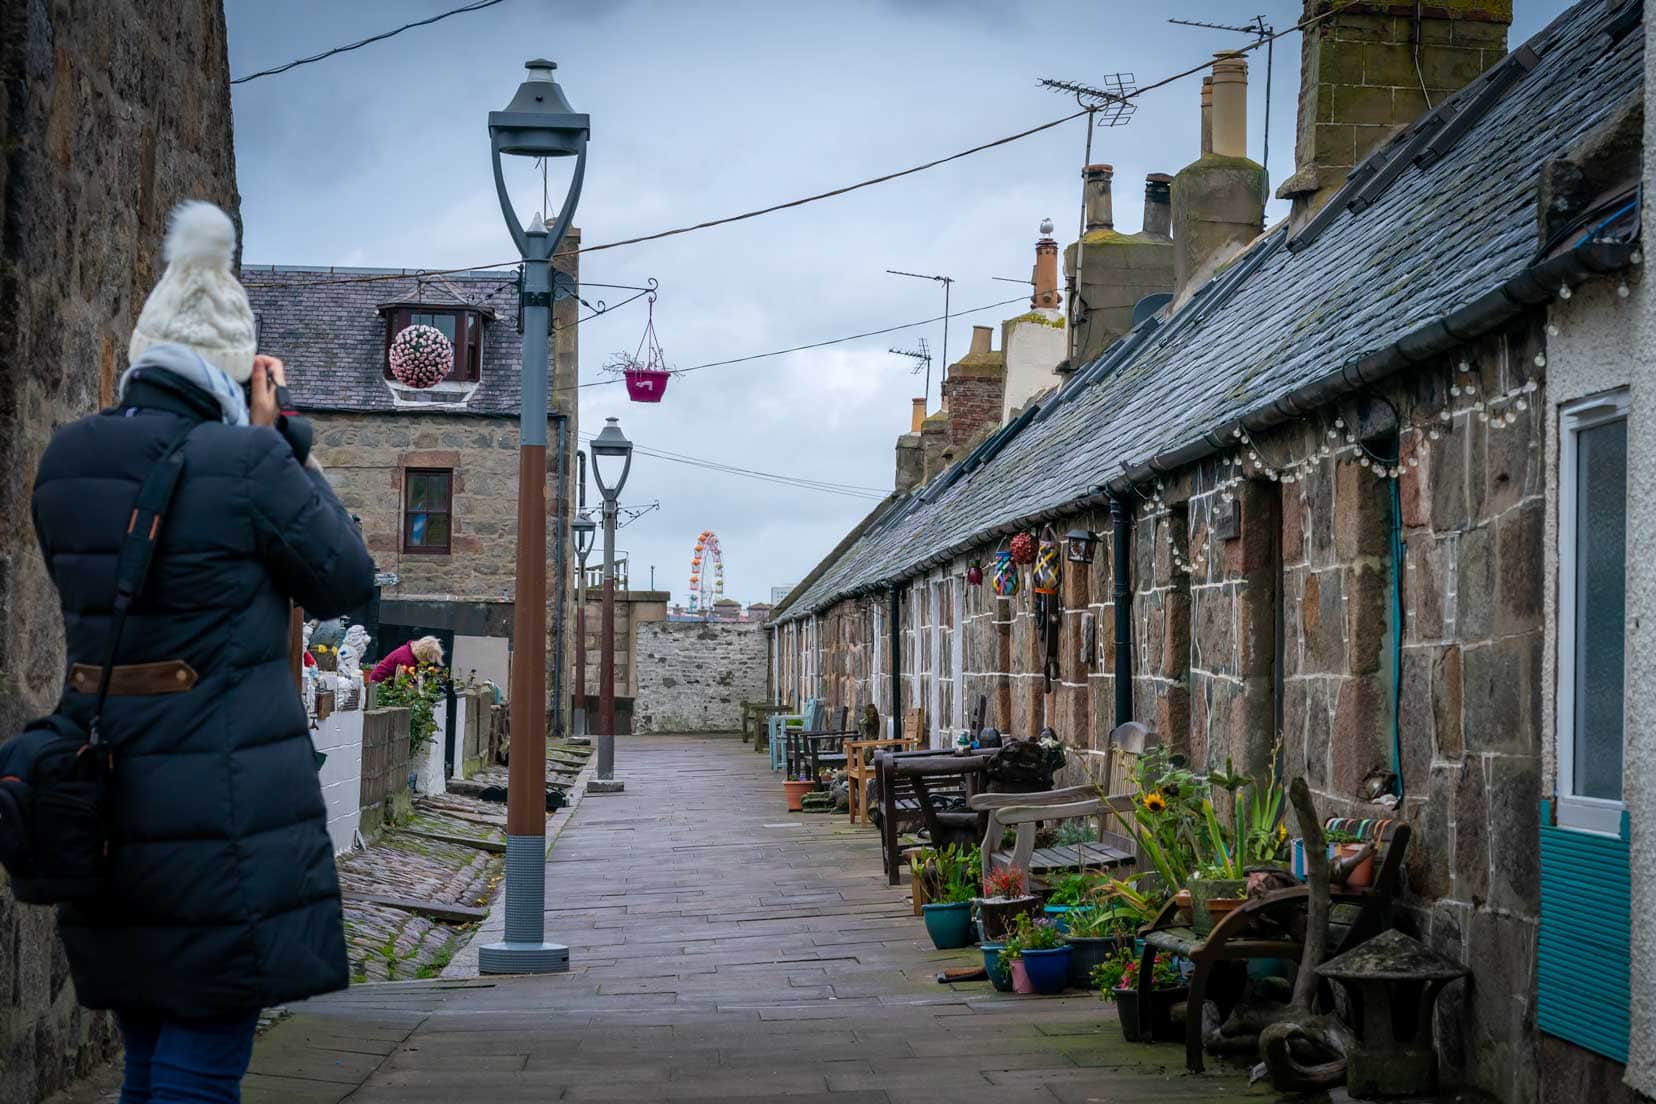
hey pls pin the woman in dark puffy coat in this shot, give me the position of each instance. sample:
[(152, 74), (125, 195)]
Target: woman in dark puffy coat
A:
[(222, 895)]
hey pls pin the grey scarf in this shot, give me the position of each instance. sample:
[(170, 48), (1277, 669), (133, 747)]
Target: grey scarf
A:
[(185, 363)]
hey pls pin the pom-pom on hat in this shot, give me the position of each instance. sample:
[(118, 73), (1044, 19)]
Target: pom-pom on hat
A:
[(199, 302)]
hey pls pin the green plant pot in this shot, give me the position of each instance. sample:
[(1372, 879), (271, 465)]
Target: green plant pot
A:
[(1087, 952), (1202, 890), (1000, 973), (949, 925)]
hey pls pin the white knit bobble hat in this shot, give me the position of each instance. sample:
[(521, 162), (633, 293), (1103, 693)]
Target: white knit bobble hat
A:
[(198, 301)]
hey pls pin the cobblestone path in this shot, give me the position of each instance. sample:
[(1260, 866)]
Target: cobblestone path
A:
[(721, 950)]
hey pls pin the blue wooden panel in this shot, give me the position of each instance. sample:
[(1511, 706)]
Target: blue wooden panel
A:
[(1585, 943)]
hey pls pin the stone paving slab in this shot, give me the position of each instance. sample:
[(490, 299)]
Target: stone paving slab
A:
[(724, 950)]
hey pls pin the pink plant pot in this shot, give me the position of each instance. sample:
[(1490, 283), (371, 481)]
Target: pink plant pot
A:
[(1020, 979)]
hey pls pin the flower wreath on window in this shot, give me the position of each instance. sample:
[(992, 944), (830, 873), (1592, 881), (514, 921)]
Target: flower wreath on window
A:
[(421, 356)]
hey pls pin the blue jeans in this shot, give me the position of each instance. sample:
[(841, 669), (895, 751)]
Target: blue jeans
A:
[(185, 1061)]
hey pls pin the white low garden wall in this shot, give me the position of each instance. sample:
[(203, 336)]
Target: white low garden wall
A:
[(340, 739)]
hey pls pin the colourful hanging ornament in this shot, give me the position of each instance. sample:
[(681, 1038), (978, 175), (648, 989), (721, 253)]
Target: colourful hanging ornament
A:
[(974, 575), (1045, 574), (1006, 574), (1023, 548)]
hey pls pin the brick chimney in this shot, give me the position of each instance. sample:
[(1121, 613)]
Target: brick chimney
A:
[(1359, 84), (1045, 276), (974, 391), (1218, 199)]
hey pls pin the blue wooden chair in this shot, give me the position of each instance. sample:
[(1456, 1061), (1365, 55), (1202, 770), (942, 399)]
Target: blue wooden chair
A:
[(784, 724)]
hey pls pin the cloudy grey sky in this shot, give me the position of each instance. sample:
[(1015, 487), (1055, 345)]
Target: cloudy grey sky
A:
[(702, 109)]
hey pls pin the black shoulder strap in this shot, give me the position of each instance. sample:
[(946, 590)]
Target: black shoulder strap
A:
[(138, 551)]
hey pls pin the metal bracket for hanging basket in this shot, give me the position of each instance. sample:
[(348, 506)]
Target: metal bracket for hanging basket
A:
[(646, 370)]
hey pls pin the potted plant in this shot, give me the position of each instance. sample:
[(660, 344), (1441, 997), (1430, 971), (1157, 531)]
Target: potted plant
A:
[(1044, 954), (1117, 981), (1213, 884), (795, 790), (996, 966), (1011, 960), (1097, 934), (1345, 845), (949, 876), (1072, 894), (1005, 896)]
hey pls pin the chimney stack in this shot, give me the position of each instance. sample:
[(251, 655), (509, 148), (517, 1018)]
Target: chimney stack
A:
[(1046, 271), (973, 395), (1096, 197), (1218, 199), (1158, 205), (1207, 116), (1368, 70), (911, 464)]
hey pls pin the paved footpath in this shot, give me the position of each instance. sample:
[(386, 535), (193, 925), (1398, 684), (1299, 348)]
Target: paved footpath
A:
[(721, 950)]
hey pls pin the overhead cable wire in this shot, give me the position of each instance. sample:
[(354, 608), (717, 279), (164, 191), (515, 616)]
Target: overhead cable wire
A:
[(833, 192), (369, 41), (800, 482), (812, 345)]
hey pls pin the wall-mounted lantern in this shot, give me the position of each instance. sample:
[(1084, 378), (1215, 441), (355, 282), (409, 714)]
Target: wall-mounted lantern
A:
[(1081, 545)]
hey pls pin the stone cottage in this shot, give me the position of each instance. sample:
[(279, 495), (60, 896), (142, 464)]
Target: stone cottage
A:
[(1339, 500), (433, 473)]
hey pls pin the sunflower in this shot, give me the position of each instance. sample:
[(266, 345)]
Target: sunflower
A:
[(1282, 833), (1154, 802)]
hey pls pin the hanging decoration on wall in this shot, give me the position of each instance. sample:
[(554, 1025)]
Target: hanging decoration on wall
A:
[(1044, 577), (974, 575), (645, 369), (1023, 548), (1006, 574), (421, 356)]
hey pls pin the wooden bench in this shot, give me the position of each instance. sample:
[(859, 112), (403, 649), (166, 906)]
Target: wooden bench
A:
[(1273, 925), (755, 717)]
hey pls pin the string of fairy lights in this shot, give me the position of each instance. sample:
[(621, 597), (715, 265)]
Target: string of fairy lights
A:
[(1247, 460)]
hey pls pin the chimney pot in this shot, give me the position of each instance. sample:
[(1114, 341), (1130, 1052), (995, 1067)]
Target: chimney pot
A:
[(1158, 205), (1096, 197), (1045, 277), (1207, 115), (918, 416), (1230, 104), (981, 338)]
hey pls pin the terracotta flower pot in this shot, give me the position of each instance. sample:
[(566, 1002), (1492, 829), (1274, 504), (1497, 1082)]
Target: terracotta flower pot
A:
[(796, 792), (1181, 902), (1363, 876)]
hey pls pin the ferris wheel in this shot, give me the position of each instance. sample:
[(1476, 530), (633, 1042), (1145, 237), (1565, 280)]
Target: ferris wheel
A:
[(706, 573)]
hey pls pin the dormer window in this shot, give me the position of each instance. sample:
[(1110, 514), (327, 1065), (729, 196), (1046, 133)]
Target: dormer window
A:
[(463, 328)]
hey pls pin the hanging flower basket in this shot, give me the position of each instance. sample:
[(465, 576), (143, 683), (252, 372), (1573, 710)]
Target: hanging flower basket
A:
[(645, 384), (421, 356)]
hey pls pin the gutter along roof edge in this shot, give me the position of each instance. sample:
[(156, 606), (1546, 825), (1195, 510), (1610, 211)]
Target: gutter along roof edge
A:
[(1526, 289)]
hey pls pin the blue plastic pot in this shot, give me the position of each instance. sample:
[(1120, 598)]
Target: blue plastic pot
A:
[(950, 925), (1000, 974), (1048, 970)]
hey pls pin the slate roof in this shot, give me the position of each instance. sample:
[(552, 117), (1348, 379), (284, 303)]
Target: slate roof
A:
[(330, 333), (1274, 322)]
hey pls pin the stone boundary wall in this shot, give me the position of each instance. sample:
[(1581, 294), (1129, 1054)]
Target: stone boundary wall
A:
[(693, 676), (1269, 620), (112, 113)]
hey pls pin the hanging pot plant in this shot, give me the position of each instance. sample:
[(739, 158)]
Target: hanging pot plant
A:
[(645, 370), (421, 356), (1023, 549)]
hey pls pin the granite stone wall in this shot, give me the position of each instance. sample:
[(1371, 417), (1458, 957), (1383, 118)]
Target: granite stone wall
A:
[(110, 113), (693, 676), (1282, 621)]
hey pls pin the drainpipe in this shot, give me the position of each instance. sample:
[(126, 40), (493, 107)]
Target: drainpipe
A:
[(896, 634), (1121, 519)]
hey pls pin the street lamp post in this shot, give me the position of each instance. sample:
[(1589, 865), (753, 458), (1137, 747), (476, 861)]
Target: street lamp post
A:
[(537, 123), (609, 448), (581, 531)]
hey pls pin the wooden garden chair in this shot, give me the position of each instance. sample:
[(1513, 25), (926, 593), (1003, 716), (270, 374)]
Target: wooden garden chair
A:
[(802, 746), (782, 725), (1273, 925), (918, 789), (859, 767)]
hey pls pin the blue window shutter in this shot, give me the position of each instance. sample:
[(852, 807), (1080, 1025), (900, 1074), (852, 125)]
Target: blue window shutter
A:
[(1585, 947)]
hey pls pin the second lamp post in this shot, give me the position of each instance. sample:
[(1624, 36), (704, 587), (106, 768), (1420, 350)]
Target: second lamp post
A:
[(610, 449)]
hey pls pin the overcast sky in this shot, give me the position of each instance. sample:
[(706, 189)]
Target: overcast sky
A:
[(701, 109)]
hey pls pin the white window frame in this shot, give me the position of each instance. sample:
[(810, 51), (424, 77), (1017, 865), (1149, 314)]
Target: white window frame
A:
[(1583, 814)]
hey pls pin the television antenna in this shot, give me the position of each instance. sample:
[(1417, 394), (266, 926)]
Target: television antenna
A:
[(947, 282), (921, 357), (1262, 32), (1108, 104)]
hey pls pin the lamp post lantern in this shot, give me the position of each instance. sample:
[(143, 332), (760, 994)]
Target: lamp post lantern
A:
[(537, 123), (609, 450), (581, 532)]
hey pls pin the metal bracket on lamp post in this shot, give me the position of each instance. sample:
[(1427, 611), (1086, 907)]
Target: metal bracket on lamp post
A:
[(537, 123)]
